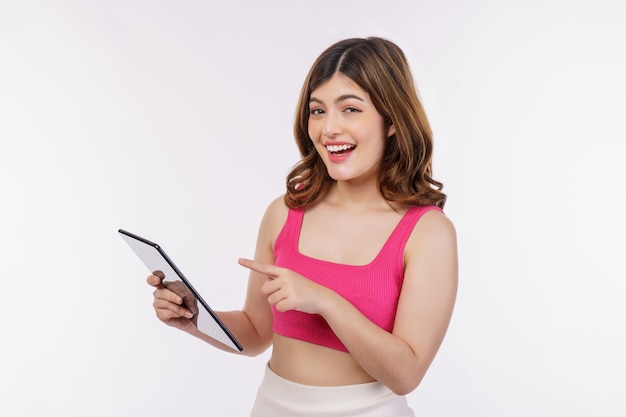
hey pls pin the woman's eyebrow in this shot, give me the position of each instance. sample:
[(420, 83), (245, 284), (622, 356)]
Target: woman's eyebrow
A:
[(338, 100)]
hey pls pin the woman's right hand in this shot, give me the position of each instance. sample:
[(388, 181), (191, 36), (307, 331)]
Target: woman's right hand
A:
[(169, 305)]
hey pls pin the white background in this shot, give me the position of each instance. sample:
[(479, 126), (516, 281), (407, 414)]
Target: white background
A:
[(174, 120)]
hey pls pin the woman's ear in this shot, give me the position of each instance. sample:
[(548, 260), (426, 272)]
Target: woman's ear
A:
[(391, 131)]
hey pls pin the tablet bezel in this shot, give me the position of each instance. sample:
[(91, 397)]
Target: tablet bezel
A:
[(126, 235)]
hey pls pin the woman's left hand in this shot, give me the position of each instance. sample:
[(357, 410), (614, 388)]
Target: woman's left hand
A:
[(288, 290)]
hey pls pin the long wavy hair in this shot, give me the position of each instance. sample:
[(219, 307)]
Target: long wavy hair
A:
[(380, 68)]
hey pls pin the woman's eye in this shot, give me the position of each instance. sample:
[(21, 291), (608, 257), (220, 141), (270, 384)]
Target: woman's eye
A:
[(352, 110), (316, 111)]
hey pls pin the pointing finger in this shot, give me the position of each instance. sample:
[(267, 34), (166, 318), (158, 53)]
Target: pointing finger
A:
[(265, 269)]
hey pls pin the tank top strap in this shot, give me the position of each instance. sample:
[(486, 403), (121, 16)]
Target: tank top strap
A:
[(291, 229), (400, 235)]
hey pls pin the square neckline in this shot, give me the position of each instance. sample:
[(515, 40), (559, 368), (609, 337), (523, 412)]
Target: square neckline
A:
[(384, 247)]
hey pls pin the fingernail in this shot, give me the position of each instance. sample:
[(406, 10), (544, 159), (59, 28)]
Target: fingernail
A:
[(188, 314)]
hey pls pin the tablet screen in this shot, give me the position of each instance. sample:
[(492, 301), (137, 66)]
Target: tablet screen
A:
[(158, 263)]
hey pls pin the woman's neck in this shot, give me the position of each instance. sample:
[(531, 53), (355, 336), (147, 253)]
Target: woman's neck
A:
[(357, 196)]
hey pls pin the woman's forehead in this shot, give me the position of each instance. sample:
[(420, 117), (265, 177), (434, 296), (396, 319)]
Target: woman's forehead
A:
[(337, 86)]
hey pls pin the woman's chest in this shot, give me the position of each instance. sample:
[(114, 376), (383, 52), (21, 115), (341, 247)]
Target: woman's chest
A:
[(346, 239)]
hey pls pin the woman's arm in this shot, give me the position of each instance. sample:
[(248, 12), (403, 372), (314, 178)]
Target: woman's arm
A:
[(400, 359)]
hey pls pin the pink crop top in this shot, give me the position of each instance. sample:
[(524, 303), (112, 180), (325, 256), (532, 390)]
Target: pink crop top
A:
[(373, 289)]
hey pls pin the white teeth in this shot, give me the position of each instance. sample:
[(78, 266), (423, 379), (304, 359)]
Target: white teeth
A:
[(339, 148)]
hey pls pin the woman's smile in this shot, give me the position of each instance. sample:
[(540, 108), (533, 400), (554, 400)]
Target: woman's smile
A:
[(338, 153)]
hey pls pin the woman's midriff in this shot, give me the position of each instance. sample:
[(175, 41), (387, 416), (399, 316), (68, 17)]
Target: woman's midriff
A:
[(310, 364)]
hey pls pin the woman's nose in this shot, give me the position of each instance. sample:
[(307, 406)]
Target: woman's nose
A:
[(332, 125)]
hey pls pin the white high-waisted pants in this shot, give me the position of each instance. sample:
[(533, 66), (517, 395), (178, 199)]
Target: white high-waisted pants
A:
[(278, 397)]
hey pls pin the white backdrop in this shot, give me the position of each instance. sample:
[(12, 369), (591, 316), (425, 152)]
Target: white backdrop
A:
[(174, 120)]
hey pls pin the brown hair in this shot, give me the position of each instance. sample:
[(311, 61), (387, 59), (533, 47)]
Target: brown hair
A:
[(379, 67)]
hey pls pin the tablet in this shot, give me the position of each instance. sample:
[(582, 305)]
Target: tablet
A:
[(158, 263)]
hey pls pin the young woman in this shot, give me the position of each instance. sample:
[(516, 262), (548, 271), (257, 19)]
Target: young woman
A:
[(354, 278)]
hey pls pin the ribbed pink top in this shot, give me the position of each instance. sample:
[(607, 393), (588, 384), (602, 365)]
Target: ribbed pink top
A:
[(373, 289)]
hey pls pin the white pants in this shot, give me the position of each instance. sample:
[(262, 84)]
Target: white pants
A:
[(278, 397)]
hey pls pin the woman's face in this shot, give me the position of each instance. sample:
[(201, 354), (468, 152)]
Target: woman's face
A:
[(347, 130)]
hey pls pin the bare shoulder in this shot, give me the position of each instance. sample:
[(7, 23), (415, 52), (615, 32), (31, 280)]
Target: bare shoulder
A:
[(273, 220), (276, 212), (434, 233)]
